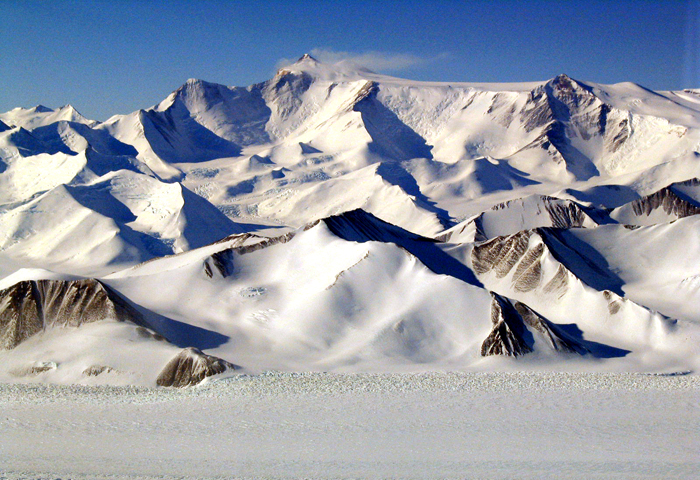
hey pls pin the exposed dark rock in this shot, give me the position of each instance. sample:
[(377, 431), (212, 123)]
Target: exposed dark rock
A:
[(96, 370), (30, 306), (34, 369), (620, 135), (561, 109), (667, 199), (614, 302), (221, 262), (515, 327), (506, 337), (268, 242), (500, 254), (537, 111), (560, 213), (190, 367), (564, 214), (528, 274), (559, 282)]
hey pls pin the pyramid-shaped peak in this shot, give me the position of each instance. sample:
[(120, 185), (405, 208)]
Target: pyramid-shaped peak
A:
[(193, 89), (338, 71), (41, 109), (307, 58), (565, 82), (195, 86)]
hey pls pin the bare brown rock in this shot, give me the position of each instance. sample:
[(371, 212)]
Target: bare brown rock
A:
[(31, 306), (528, 273), (559, 283), (96, 370), (516, 328), (500, 254), (190, 367)]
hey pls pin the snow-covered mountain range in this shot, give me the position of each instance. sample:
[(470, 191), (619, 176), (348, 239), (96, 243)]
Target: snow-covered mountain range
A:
[(332, 218)]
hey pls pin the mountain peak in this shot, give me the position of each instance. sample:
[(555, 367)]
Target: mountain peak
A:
[(307, 58), (41, 109), (564, 82), (343, 70)]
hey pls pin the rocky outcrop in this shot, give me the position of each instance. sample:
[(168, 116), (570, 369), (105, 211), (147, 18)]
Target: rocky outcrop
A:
[(671, 203), (675, 201), (190, 367), (31, 306), (95, 370), (517, 329), (507, 334), (221, 262), (559, 283), (524, 213), (564, 214), (33, 369), (502, 254)]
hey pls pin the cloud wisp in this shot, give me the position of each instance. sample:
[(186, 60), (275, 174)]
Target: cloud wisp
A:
[(380, 62)]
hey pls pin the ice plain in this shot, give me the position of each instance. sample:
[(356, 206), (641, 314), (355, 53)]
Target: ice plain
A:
[(321, 425)]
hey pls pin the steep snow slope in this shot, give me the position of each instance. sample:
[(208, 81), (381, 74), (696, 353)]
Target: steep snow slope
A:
[(522, 214), (334, 218), (122, 218), (313, 122), (653, 265), (314, 301), (523, 267), (39, 116), (325, 298), (676, 201)]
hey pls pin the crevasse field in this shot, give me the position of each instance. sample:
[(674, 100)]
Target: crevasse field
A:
[(319, 425)]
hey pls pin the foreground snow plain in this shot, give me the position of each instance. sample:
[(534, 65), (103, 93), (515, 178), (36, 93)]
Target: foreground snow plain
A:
[(321, 425)]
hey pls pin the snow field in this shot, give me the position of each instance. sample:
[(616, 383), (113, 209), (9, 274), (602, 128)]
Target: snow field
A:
[(317, 425)]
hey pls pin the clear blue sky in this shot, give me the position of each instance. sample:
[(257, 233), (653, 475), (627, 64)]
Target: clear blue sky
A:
[(109, 57)]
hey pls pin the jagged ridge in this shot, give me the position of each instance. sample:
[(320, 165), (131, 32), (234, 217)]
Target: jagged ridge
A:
[(31, 306)]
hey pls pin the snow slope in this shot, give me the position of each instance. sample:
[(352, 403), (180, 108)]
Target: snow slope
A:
[(332, 218)]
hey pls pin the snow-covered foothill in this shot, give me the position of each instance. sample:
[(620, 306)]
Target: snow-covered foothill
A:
[(333, 218)]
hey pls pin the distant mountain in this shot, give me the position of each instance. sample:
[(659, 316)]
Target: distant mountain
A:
[(335, 218)]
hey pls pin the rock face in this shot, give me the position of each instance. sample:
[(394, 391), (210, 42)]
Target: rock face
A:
[(520, 214), (667, 204), (502, 254), (34, 369), (665, 198), (517, 328), (190, 367), (30, 306), (221, 263)]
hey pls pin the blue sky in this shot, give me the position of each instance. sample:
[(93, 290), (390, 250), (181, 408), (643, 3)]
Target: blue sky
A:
[(109, 57)]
